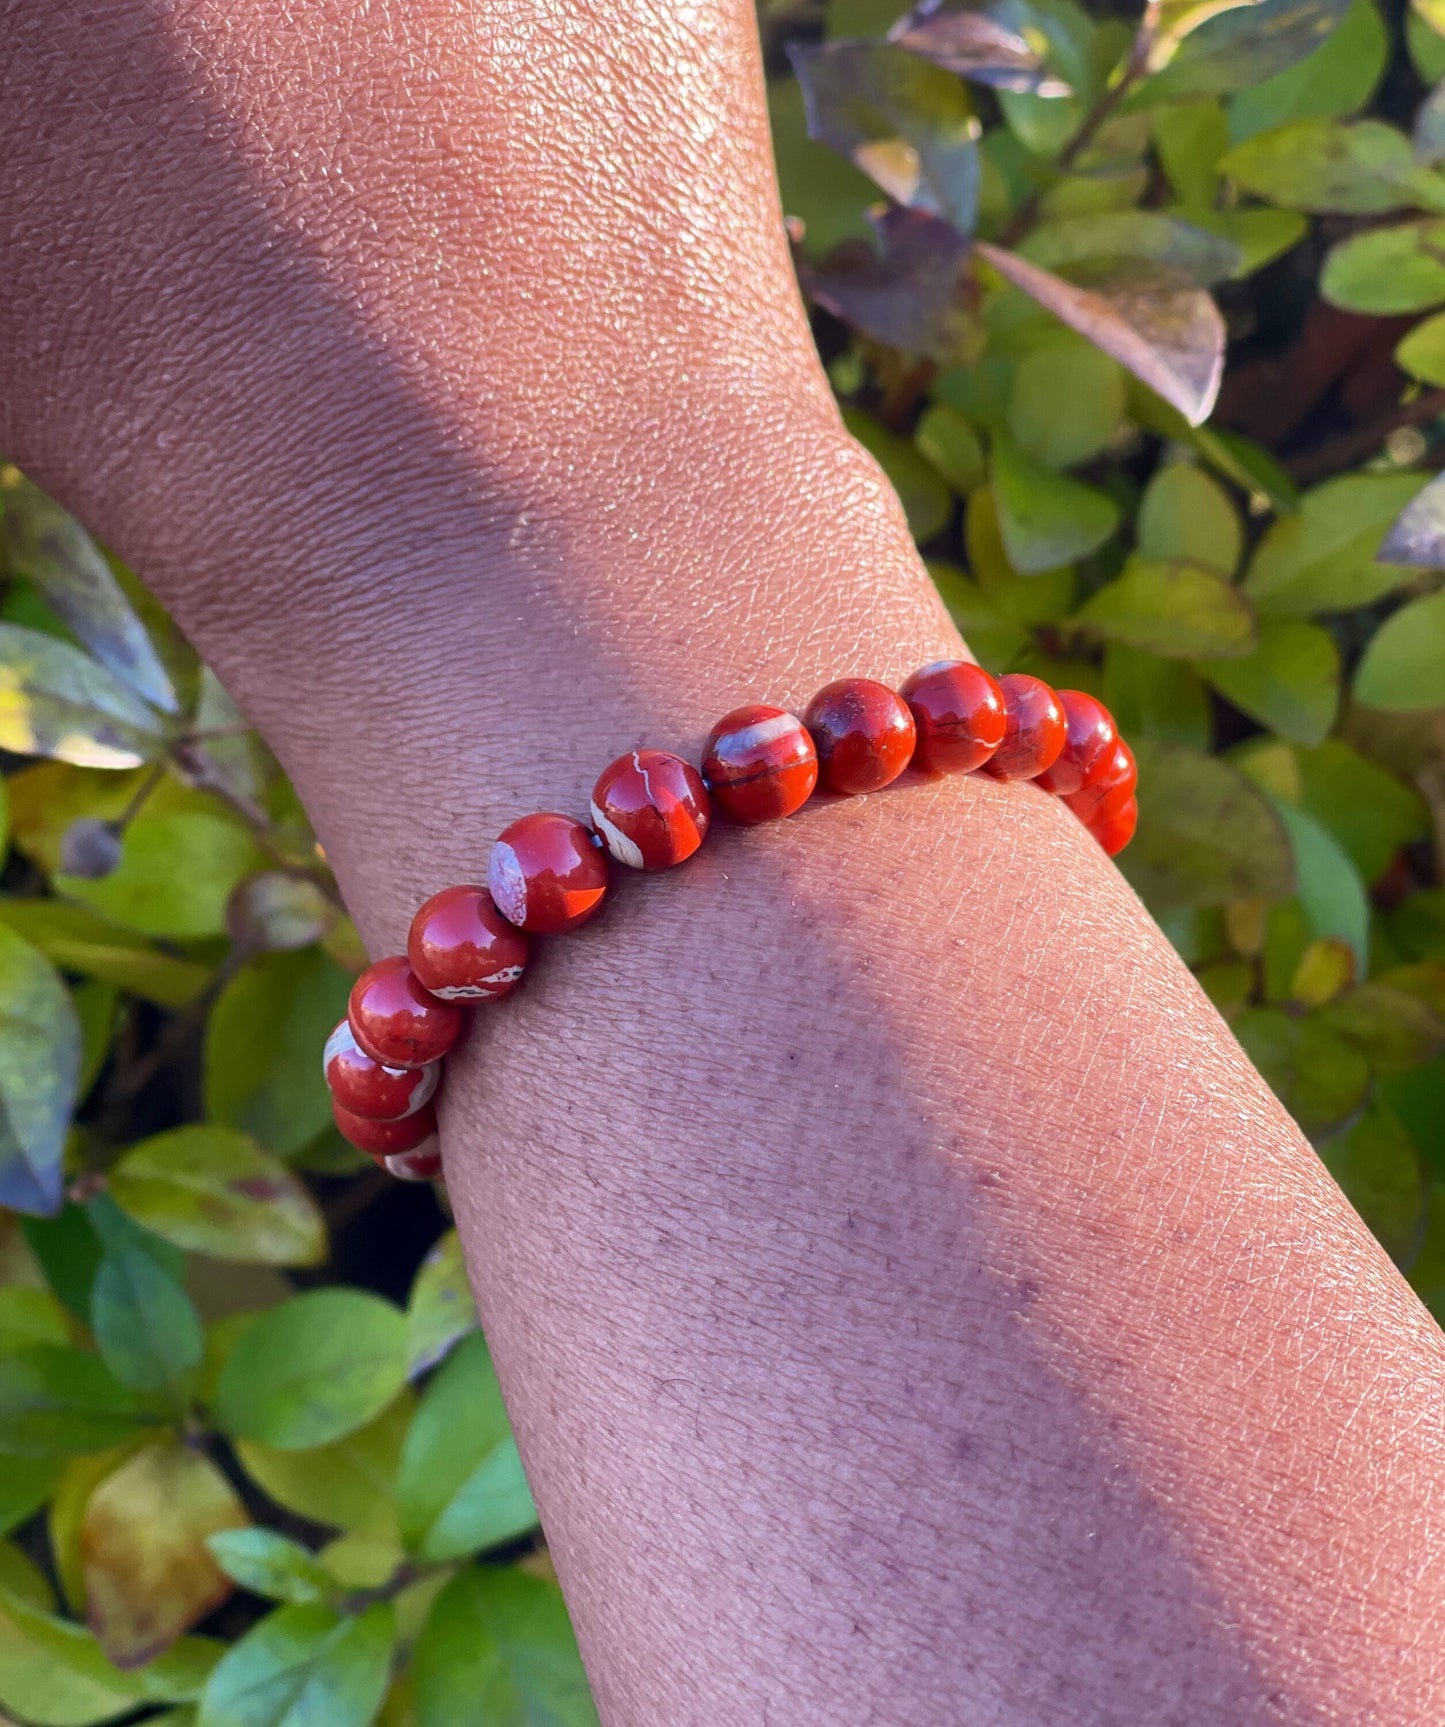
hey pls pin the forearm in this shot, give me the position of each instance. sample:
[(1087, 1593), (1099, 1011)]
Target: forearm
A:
[(908, 1299)]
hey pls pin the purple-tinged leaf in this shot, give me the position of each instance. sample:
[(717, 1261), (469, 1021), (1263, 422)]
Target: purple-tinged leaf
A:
[(972, 42), (1172, 341), (906, 124), (912, 294), (1417, 537), (50, 546), (39, 1071), (1429, 137)]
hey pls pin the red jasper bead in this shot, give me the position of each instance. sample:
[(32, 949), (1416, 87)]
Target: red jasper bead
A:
[(548, 873), (651, 809), (462, 948), (396, 1021), (1115, 782), (1115, 830), (1034, 729), (383, 1138), (1091, 738), (863, 733), (369, 1088), (760, 764), (419, 1165), (958, 713)]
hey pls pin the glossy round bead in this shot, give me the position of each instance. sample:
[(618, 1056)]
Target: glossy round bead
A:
[(651, 809), (369, 1088), (1091, 738), (396, 1021), (958, 714), (423, 1164), (1034, 729), (462, 948), (548, 873), (863, 733), (760, 764), (384, 1138), (1115, 830), (1110, 788)]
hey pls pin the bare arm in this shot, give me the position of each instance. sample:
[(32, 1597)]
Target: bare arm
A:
[(912, 1306)]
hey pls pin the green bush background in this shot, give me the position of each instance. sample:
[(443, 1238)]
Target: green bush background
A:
[(254, 1465)]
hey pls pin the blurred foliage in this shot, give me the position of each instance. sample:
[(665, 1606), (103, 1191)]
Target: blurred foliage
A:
[(254, 1465)]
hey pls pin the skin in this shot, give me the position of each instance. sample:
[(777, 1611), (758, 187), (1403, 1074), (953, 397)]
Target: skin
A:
[(912, 1306)]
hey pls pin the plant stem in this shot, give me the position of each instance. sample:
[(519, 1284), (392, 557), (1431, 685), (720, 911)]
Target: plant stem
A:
[(1352, 447)]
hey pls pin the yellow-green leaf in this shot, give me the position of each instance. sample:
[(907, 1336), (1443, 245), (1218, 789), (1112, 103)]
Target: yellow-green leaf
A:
[(1174, 609), (148, 1571), (213, 1190), (1404, 665), (1290, 683), (350, 1484)]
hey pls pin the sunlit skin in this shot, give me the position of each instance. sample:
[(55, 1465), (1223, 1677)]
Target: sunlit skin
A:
[(913, 1308)]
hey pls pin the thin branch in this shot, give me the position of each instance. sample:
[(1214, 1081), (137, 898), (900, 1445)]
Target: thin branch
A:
[(1349, 449)]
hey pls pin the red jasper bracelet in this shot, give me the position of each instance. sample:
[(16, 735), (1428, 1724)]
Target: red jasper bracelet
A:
[(651, 810)]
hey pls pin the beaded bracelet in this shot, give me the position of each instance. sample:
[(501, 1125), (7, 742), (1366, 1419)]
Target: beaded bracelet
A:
[(651, 810)]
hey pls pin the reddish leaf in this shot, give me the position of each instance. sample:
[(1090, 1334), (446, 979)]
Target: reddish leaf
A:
[(967, 40), (1173, 342)]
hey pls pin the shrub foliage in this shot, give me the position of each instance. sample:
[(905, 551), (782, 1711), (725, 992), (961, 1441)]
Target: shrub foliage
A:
[(248, 1479)]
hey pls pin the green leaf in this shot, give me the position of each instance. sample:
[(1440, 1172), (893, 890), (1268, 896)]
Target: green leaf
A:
[(54, 1673), (990, 634), (949, 443), (461, 1488), (1067, 402), (497, 1647), (304, 1666), (175, 876), (819, 188), (97, 1011), (1044, 518), (1248, 464), (350, 1484), (31, 1316), (905, 123), (925, 499), (68, 1252), (1393, 1029), (1323, 559), (1211, 50), (1047, 597), (1290, 683), (39, 1076), (22, 1577), (1404, 665), (25, 1485), (145, 1325), (1385, 271), (55, 552), (1426, 47), (1177, 610), (1173, 342), (1370, 812), (77, 940), (1379, 1168), (1330, 890), (57, 701), (213, 1190), (261, 1069), (60, 1402), (1337, 79), (1156, 698), (1327, 168), (148, 1572), (1422, 352), (313, 1369), (441, 1308), (272, 1565), (1206, 836), (1189, 139), (1258, 235), (1187, 516), (1318, 1078), (1140, 250)]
